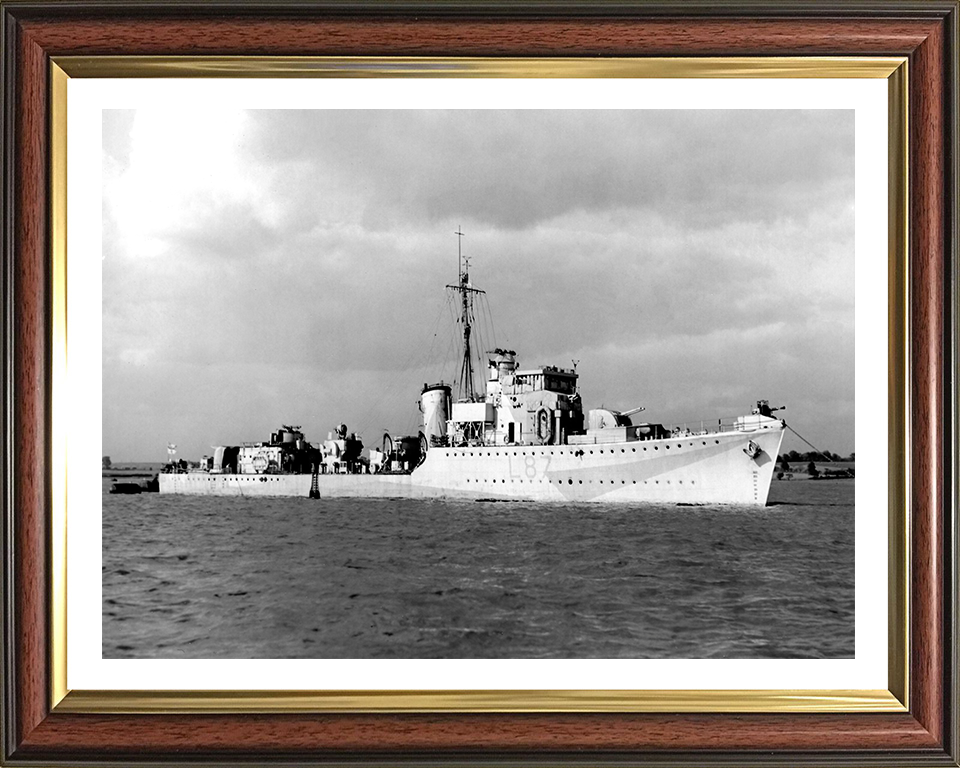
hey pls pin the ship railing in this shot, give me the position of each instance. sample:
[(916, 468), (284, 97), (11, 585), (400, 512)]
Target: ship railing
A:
[(697, 428)]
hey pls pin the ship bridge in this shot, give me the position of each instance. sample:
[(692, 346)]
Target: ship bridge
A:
[(546, 378), (535, 406)]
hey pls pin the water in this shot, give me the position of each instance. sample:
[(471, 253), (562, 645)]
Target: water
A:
[(196, 577)]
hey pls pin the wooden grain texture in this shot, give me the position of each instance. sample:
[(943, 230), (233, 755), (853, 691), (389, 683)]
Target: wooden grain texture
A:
[(927, 412), (886, 738), (30, 388), (471, 37), (295, 735)]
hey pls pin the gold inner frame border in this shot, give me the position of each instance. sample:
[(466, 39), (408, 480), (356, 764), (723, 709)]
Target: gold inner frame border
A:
[(894, 699)]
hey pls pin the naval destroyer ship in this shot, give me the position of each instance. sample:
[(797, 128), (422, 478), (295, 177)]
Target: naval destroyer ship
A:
[(525, 437)]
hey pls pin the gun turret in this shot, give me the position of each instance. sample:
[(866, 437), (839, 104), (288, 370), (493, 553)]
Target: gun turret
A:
[(763, 408)]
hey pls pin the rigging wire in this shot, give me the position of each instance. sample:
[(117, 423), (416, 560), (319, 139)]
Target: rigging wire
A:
[(450, 357), (486, 337), (403, 372), (484, 323), (481, 345), (447, 357), (480, 317), (457, 341), (807, 442), (493, 326), (428, 355)]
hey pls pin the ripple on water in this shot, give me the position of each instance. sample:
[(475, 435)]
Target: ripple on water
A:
[(194, 577)]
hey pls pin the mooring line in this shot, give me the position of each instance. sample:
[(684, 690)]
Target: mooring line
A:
[(807, 442)]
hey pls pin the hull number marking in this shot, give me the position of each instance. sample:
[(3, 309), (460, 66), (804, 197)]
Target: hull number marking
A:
[(526, 467)]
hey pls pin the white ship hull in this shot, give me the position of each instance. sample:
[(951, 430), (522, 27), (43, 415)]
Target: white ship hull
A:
[(695, 469)]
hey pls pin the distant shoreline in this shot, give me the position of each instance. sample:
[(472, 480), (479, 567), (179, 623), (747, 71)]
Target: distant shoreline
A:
[(826, 470)]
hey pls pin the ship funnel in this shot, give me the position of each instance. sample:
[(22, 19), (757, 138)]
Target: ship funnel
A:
[(435, 406)]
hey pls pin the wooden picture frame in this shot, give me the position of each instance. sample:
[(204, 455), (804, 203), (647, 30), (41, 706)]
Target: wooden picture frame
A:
[(39, 728)]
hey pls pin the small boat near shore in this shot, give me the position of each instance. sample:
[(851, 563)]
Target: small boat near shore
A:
[(152, 485)]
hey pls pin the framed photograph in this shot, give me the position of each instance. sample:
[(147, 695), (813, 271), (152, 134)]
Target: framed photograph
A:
[(453, 343)]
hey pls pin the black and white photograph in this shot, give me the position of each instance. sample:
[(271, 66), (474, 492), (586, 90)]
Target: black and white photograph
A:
[(478, 383)]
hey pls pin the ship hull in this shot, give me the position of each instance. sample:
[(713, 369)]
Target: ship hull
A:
[(697, 469)]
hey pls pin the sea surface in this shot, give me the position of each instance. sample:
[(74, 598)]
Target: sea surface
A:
[(200, 577)]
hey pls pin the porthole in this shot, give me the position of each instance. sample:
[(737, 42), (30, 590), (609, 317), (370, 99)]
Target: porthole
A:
[(624, 450), (668, 447), (679, 446), (656, 447), (580, 481), (717, 442), (570, 482), (634, 450)]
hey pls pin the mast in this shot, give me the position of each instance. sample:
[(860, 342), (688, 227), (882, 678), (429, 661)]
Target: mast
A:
[(467, 389)]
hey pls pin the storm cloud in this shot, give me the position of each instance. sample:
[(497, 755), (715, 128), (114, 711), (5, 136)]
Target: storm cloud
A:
[(289, 266)]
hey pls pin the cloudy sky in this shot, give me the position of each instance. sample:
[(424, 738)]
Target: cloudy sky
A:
[(269, 267)]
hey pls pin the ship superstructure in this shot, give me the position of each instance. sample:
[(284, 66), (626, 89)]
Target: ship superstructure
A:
[(533, 406), (525, 438)]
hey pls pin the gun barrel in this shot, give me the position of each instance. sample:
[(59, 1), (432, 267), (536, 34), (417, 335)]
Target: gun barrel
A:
[(633, 411)]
